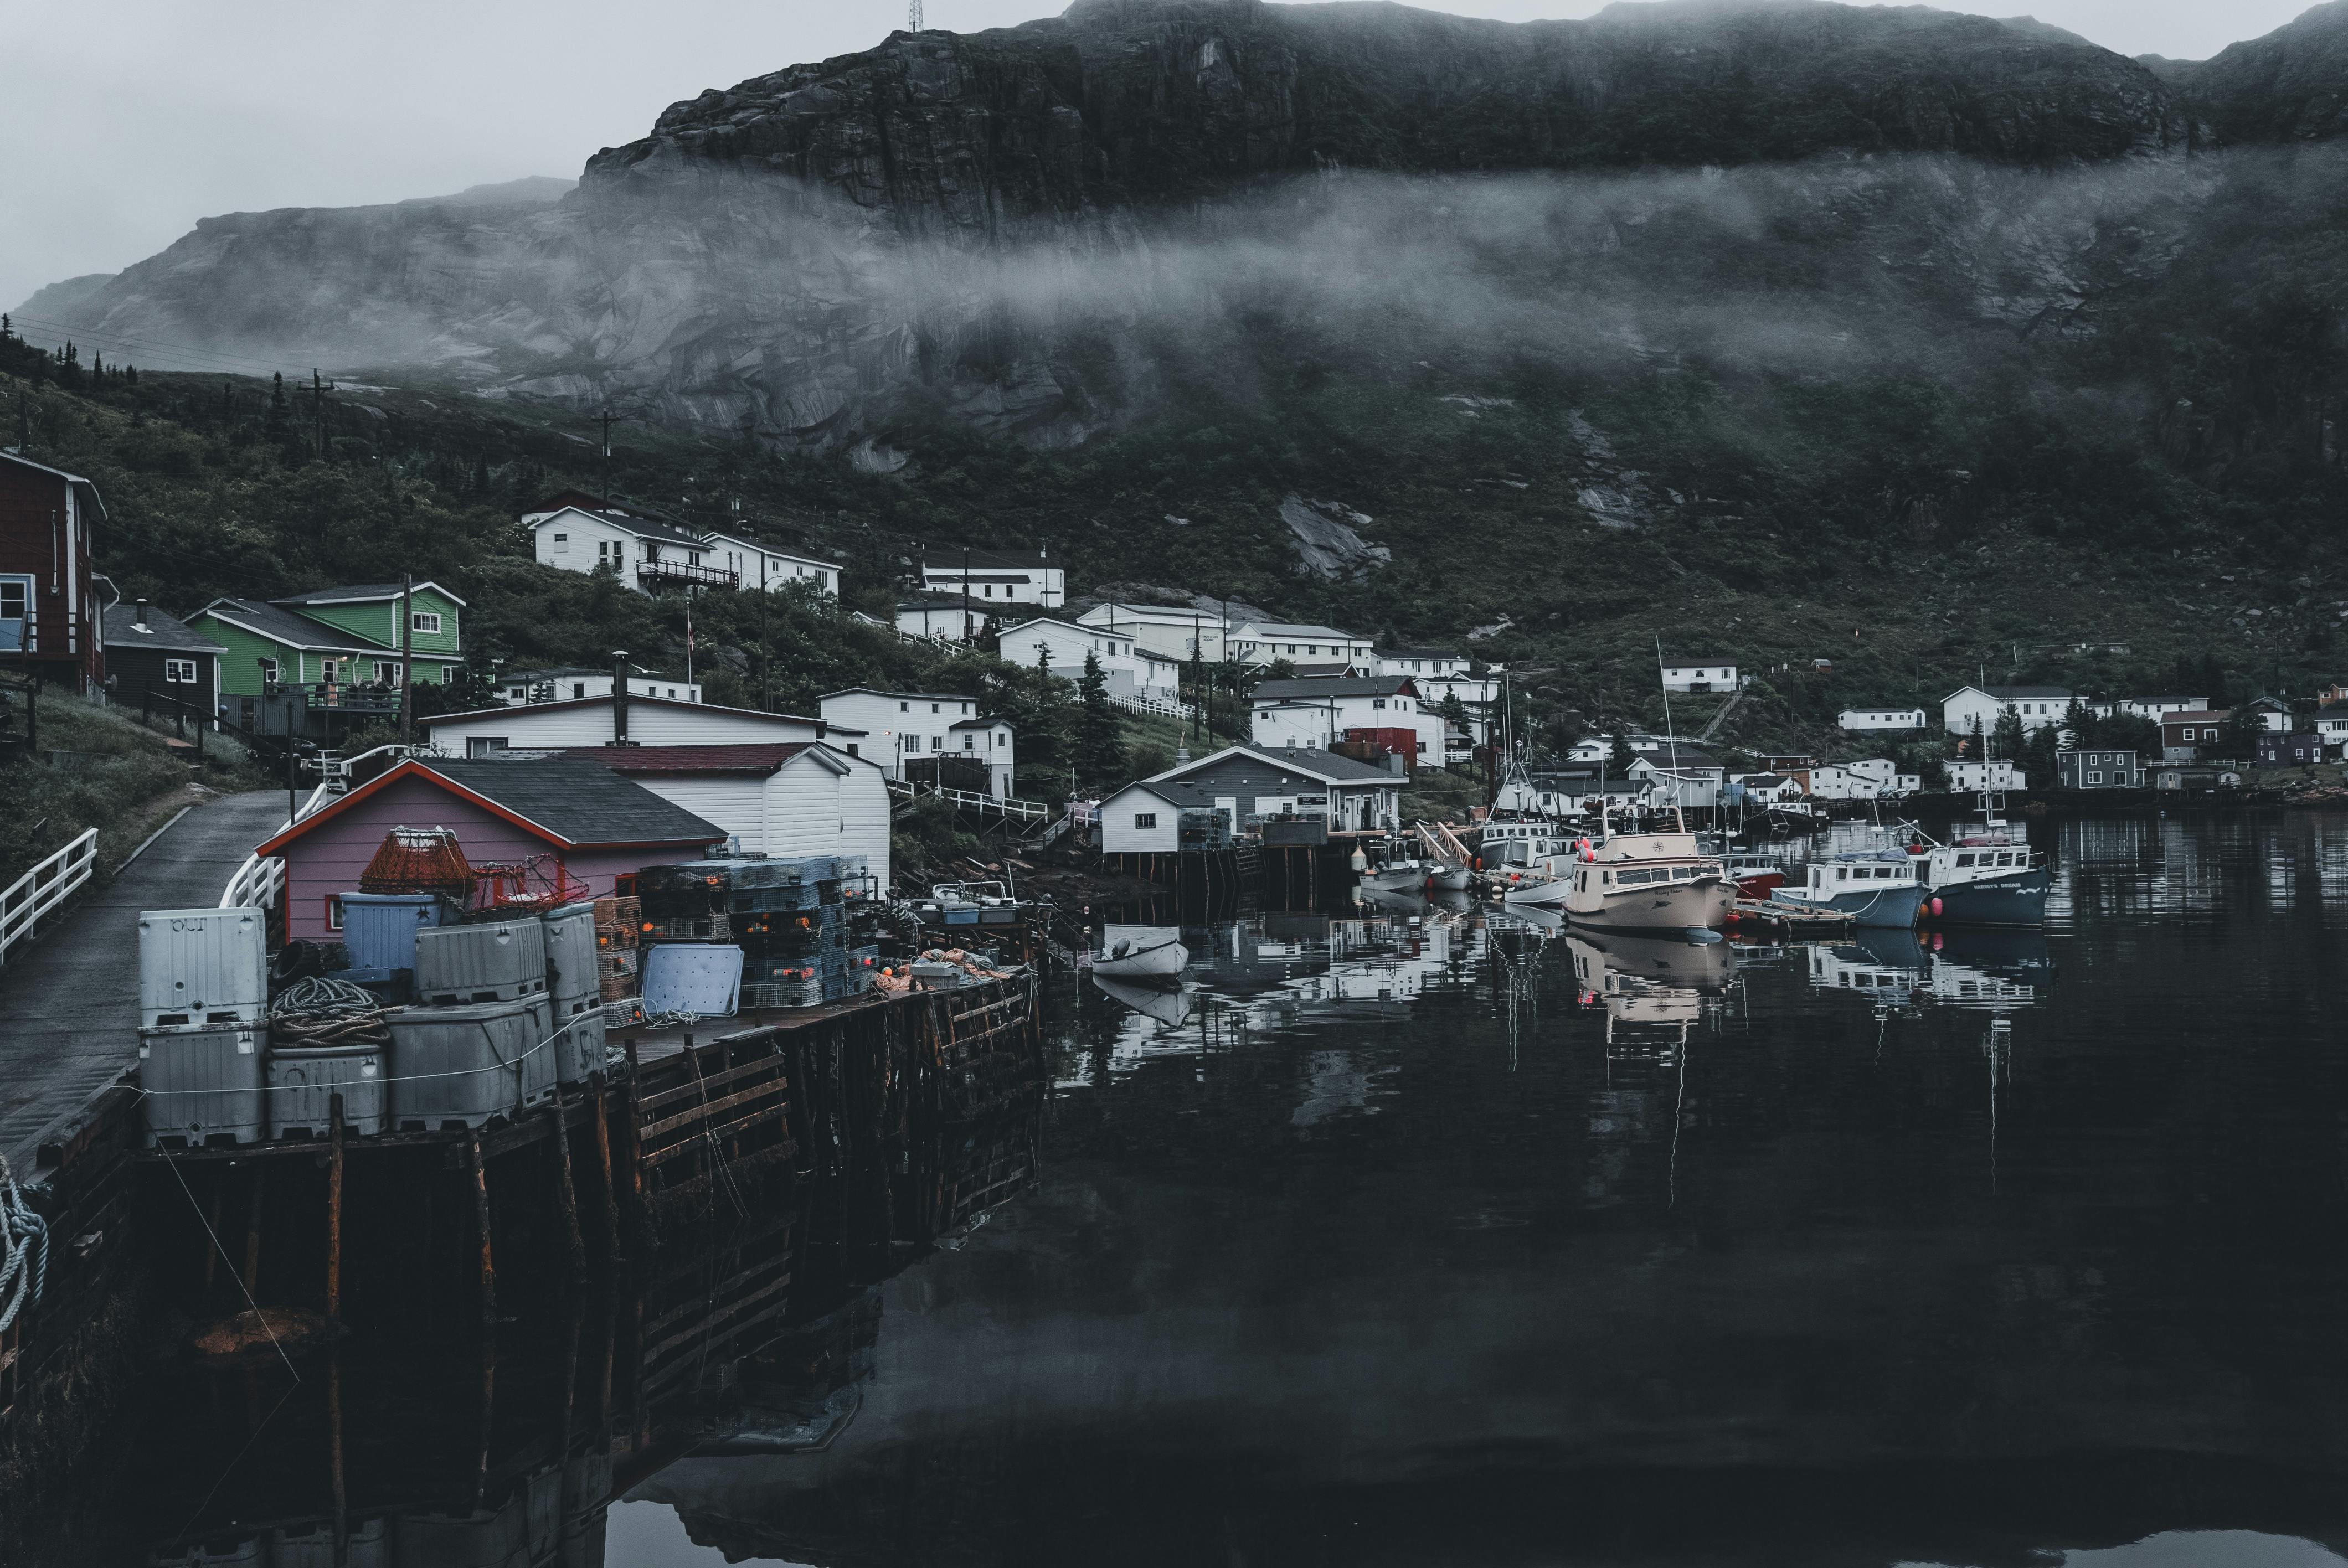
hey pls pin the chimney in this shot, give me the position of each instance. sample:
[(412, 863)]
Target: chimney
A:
[(619, 696), (142, 612)]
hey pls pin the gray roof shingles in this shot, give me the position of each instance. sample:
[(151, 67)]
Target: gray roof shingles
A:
[(162, 631), (578, 801), (1336, 686)]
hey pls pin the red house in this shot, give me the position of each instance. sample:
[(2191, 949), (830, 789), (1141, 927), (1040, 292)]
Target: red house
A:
[(590, 821), (49, 612)]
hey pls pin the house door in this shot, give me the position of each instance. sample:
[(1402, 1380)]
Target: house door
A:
[(1228, 805)]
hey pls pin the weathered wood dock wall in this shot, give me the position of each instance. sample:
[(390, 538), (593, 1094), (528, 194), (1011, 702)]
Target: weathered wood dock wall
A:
[(722, 1188)]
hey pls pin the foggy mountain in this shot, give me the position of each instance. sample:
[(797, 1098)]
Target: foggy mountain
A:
[(1797, 270), (986, 215)]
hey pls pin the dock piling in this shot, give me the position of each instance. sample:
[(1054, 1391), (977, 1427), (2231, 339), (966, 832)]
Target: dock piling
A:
[(334, 1215), (567, 1190), (489, 1272), (253, 1233)]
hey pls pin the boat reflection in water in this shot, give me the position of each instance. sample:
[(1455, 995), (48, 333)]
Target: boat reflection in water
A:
[(1996, 969), (1650, 981)]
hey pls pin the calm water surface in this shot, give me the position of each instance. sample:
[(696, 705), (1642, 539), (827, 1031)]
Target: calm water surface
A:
[(1465, 1241)]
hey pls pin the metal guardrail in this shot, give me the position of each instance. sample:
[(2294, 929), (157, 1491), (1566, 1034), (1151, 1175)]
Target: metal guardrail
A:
[(44, 887), (1004, 805), (258, 882)]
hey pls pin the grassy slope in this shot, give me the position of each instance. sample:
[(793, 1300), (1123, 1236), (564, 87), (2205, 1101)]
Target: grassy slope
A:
[(119, 778)]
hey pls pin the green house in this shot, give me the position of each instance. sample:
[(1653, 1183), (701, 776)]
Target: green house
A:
[(345, 636)]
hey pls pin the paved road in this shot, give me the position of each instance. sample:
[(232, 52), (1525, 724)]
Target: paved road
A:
[(69, 1000)]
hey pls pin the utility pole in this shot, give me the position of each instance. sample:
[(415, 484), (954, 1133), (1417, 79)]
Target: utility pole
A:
[(692, 591), (913, 18), (606, 417), (969, 632), (406, 659), (318, 390)]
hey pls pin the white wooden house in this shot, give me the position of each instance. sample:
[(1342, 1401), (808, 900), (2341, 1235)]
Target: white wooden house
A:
[(574, 722), (1858, 721), (648, 555), (1062, 646), (1320, 649), (1701, 675), (1170, 631), (519, 687), (1438, 674), (995, 578), (1682, 776), (1245, 783), (1321, 710), (1965, 777), (2037, 706), (2152, 708), (893, 726), (783, 800)]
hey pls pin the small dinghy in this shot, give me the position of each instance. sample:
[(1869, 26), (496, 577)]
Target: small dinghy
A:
[(1147, 955)]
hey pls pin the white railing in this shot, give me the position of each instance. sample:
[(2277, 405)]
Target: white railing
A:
[(257, 883), (336, 771), (44, 887), (1164, 707), (1006, 804)]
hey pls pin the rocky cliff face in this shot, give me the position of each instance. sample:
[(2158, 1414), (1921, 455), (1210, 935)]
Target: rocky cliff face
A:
[(1041, 231), (2290, 85), (1134, 102)]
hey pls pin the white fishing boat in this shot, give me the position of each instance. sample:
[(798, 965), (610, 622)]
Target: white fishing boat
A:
[(1140, 954), (1989, 876), (1878, 887), (1643, 881)]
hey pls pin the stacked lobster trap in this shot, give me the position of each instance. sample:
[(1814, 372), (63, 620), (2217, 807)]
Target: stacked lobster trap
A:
[(773, 933)]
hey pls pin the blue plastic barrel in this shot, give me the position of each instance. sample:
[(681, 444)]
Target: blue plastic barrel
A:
[(379, 929)]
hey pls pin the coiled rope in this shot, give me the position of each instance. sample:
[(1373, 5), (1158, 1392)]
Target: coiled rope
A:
[(317, 1012), (24, 1237)]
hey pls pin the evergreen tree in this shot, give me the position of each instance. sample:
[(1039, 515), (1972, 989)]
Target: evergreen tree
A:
[(1619, 758), (279, 424), (1100, 747), (2005, 741), (2079, 723)]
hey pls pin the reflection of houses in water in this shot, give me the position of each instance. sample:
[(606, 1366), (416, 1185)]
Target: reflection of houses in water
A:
[(1896, 970), (1278, 970)]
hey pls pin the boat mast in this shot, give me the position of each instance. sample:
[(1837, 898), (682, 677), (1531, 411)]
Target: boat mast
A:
[(1670, 738)]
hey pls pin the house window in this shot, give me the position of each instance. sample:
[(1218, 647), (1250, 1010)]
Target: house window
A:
[(269, 669), (387, 672), (904, 707), (16, 612), (912, 742), (851, 748), (484, 745), (180, 670), (518, 693), (937, 742), (1145, 819), (990, 590), (2094, 778), (969, 743), (334, 911), (562, 544), (579, 688), (425, 620)]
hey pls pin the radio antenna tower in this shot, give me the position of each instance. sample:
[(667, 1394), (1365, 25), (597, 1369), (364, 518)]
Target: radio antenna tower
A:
[(914, 17)]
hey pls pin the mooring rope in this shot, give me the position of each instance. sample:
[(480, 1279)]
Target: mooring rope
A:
[(24, 1235)]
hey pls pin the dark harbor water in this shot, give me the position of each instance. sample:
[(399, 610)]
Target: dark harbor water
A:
[(1463, 1241)]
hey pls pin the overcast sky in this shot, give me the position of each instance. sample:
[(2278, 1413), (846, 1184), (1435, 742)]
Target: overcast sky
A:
[(128, 121)]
